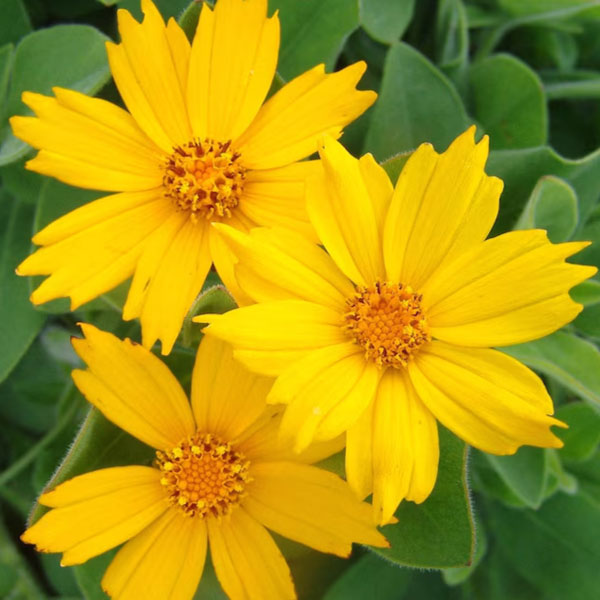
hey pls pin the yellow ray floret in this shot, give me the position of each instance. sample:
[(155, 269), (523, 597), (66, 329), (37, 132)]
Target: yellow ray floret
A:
[(221, 477), (197, 144), (391, 328)]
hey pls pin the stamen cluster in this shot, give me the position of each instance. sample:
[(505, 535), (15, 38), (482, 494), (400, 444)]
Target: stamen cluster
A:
[(387, 321), (204, 178), (203, 475)]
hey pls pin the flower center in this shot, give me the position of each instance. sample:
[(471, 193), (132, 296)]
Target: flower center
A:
[(203, 475), (387, 321), (205, 179)]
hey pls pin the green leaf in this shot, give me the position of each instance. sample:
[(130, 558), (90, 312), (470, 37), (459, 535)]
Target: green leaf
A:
[(312, 32), (521, 170), (20, 183), (552, 206), (393, 166), (386, 20), (19, 322), (99, 444), (587, 293), (556, 548), (15, 21), (458, 575), (509, 102), (588, 322), (417, 104), (370, 576), (6, 58), (71, 56), (438, 533), (572, 361), (452, 40), (582, 438), (524, 473), (89, 575)]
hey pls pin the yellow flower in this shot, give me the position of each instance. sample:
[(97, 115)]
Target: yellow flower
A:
[(391, 330), (195, 147), (220, 475)]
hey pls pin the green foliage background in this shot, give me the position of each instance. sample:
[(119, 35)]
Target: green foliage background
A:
[(528, 73)]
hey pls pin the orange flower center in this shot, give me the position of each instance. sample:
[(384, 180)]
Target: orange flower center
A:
[(203, 475), (205, 179), (387, 321)]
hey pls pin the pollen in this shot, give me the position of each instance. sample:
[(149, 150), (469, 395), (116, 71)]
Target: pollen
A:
[(387, 321), (203, 476), (205, 179)]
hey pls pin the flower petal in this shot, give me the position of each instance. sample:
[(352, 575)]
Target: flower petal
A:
[(94, 248), (247, 561), (133, 388), (233, 61), (276, 197), (442, 205), (509, 289), (163, 562), (326, 391), (344, 215), (405, 450), (288, 125), (97, 511), (279, 264), (168, 277), (226, 397), (282, 326), (88, 142), (145, 71), (487, 398), (311, 506)]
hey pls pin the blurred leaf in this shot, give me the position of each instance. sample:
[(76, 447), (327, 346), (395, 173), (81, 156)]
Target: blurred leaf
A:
[(386, 20), (509, 102), (312, 32), (209, 588), (552, 206), (452, 39), (99, 444), (371, 576), (19, 322), (15, 21), (439, 532), (62, 580), (582, 438), (558, 479), (524, 473), (521, 169), (587, 293), (588, 322), (556, 548), (20, 183), (417, 104), (540, 7), (572, 361), (71, 56), (89, 575), (588, 475), (577, 88), (6, 57)]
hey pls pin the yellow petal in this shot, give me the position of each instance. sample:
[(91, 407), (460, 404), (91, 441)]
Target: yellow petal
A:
[(88, 142), (163, 562), (311, 506), (269, 362), (97, 247), (509, 289), (285, 325), (359, 453), (289, 124), (180, 51), (442, 205), (344, 215), (133, 388), (247, 562), (276, 197), (168, 277), (326, 391), (233, 60), (144, 68), (226, 397), (97, 511), (225, 260), (279, 264), (487, 398), (405, 446)]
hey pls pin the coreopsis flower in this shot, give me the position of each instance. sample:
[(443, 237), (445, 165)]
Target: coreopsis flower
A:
[(195, 147), (219, 478), (391, 330)]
